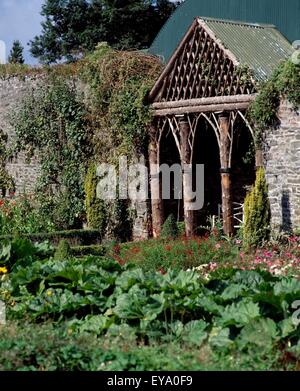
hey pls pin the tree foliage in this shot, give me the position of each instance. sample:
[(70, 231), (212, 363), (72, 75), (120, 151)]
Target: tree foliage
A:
[(72, 27), (16, 53)]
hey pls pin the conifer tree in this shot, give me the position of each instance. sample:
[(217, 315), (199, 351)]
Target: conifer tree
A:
[(257, 213), (16, 53)]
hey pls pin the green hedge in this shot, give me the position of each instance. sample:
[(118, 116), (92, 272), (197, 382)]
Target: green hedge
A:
[(80, 251), (74, 237)]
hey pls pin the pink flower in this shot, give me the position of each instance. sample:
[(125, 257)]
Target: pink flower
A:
[(213, 266)]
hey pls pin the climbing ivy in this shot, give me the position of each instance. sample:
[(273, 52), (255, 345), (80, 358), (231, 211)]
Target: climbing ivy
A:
[(6, 182), (51, 124), (284, 83), (96, 211), (118, 83), (70, 131)]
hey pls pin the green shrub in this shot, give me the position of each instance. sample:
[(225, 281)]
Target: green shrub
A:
[(76, 237), (95, 207), (170, 228), (297, 231), (63, 251), (283, 83), (256, 227), (21, 215), (80, 251)]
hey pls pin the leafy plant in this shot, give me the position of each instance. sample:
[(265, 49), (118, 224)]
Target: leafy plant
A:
[(257, 212), (51, 121), (63, 251), (20, 216), (96, 210), (170, 228), (284, 83)]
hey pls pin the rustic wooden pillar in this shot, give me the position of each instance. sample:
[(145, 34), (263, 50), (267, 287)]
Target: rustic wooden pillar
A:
[(186, 155), (258, 158), (155, 185), (225, 143)]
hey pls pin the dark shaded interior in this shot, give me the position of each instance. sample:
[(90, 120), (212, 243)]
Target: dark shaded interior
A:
[(206, 151)]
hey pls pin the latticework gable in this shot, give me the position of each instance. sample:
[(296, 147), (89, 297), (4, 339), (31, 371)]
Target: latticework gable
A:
[(200, 68)]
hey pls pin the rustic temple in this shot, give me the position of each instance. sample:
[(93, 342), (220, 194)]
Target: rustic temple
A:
[(200, 102)]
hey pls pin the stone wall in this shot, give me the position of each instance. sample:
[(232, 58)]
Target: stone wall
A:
[(12, 90), (282, 161), (25, 174)]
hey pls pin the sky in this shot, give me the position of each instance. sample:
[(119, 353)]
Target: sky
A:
[(20, 19)]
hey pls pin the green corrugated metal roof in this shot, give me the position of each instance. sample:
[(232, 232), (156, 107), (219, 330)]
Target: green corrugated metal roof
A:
[(284, 14), (261, 47)]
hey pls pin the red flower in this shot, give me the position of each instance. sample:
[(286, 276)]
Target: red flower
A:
[(119, 260), (117, 249)]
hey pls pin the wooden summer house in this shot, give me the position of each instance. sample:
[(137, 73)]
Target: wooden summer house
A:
[(200, 102)]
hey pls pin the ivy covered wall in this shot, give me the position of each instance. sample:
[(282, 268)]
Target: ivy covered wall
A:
[(12, 91), (63, 120)]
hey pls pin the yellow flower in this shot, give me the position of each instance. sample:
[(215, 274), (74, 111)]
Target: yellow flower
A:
[(3, 270), (49, 293)]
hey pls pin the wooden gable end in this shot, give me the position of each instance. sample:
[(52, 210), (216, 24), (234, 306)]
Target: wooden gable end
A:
[(201, 67)]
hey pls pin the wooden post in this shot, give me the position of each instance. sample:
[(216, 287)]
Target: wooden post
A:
[(258, 158), (186, 155), (225, 143), (155, 185)]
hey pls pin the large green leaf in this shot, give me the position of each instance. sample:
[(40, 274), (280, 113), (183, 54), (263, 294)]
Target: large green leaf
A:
[(261, 333), (287, 327), (129, 278), (234, 291), (96, 324), (240, 314), (219, 338), (131, 305), (287, 287), (194, 332), (251, 279)]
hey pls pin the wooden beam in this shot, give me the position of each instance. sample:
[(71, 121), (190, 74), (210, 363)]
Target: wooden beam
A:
[(225, 144), (205, 101), (259, 161), (202, 109), (155, 184), (186, 155)]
